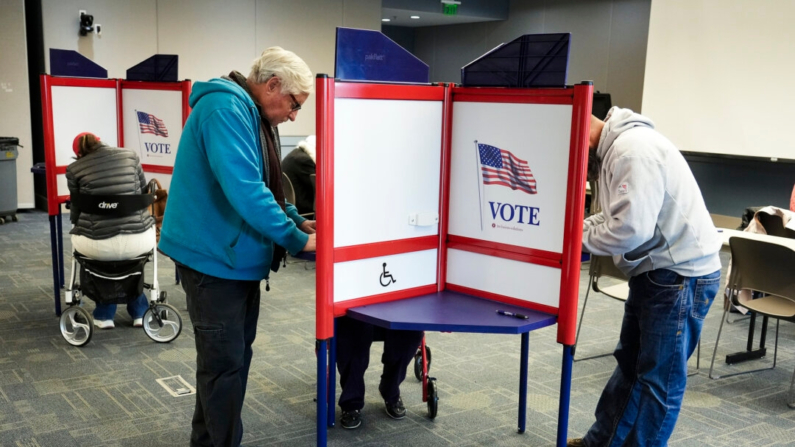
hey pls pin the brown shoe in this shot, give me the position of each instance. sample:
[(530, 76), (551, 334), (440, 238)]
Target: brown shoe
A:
[(575, 442)]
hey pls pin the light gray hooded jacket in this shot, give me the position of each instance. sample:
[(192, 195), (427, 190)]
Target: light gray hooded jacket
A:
[(653, 215)]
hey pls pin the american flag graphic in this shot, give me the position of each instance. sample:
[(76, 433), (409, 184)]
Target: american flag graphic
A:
[(151, 124), (501, 167)]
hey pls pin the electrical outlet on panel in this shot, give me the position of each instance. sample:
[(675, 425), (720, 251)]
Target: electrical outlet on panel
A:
[(423, 219), (80, 14)]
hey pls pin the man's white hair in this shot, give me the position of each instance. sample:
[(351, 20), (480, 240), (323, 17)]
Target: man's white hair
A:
[(295, 75)]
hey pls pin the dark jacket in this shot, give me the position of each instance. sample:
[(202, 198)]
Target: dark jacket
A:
[(107, 171), (298, 166)]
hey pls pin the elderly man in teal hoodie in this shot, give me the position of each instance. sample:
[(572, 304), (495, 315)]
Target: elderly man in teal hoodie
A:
[(227, 225), (655, 225)]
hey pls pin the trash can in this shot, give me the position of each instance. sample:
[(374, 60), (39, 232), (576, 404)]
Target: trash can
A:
[(8, 178)]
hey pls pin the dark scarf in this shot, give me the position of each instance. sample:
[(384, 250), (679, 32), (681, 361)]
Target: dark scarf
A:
[(271, 156)]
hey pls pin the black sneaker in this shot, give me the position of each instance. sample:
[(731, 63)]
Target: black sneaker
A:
[(351, 419), (395, 410)]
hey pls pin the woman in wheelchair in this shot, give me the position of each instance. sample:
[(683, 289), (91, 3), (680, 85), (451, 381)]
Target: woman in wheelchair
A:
[(100, 170)]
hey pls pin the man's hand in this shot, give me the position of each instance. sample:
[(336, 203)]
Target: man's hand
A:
[(311, 243), (308, 226)]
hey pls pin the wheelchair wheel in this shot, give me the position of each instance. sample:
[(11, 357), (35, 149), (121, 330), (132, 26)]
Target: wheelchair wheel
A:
[(418, 362), (433, 398), (77, 326), (160, 329)]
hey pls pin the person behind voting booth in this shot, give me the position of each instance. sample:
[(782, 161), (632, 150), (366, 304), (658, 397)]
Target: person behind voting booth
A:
[(103, 170), (655, 225), (354, 338), (298, 166), (226, 224)]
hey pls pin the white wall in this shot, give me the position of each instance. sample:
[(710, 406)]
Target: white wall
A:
[(608, 42), (211, 37), (718, 84), (14, 93)]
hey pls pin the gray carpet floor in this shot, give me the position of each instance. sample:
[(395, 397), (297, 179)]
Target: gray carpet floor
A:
[(107, 393)]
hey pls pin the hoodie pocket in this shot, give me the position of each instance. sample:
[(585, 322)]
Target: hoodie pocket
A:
[(250, 250)]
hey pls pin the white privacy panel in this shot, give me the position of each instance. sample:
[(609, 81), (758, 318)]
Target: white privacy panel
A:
[(528, 282), (387, 157), (152, 124), (81, 109), (367, 277), (525, 156)]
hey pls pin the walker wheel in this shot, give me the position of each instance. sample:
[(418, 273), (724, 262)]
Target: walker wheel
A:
[(433, 398), (2, 221), (162, 323), (77, 326), (418, 362), (14, 218)]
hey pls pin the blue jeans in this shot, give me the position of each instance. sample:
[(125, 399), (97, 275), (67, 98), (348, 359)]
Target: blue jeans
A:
[(136, 309), (662, 324)]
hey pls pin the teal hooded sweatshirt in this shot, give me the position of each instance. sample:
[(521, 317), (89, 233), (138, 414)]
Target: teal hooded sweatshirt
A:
[(221, 218)]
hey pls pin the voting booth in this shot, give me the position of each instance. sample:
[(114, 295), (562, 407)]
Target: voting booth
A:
[(439, 205), (145, 117)]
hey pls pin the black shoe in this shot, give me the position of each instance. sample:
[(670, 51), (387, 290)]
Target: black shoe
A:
[(351, 419), (395, 410)]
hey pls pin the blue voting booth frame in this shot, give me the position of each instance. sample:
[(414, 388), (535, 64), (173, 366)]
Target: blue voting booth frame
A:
[(52, 169), (445, 306), (466, 310)]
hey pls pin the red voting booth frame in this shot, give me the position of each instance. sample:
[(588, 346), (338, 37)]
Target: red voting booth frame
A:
[(52, 170), (568, 260)]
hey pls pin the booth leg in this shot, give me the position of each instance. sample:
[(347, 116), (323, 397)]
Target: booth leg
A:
[(332, 379), (565, 396), (59, 223), (55, 279), (322, 392), (523, 381)]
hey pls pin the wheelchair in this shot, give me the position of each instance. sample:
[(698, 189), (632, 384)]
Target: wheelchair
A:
[(115, 282)]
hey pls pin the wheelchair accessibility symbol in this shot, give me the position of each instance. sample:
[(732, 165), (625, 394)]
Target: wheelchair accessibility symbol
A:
[(386, 277)]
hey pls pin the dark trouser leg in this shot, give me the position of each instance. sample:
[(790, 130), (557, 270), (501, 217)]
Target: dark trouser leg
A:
[(224, 316), (399, 350), (353, 356)]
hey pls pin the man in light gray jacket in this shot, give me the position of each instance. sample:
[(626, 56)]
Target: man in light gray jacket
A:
[(657, 229)]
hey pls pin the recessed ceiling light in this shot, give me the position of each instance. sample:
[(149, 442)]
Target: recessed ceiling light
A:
[(385, 20), (415, 17)]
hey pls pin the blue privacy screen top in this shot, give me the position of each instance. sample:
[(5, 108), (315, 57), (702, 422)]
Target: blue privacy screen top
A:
[(71, 63), (158, 68), (533, 60), (366, 55)]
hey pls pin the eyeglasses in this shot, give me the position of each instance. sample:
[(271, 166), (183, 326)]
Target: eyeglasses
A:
[(296, 106)]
